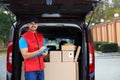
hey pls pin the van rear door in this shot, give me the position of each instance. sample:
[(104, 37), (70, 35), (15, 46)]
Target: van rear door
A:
[(37, 8)]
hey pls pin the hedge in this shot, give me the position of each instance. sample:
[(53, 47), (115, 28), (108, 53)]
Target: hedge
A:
[(97, 45), (106, 47), (109, 47)]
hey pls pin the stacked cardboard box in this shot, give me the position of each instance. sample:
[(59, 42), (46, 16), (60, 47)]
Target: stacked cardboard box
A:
[(68, 52), (55, 56), (63, 65), (67, 56)]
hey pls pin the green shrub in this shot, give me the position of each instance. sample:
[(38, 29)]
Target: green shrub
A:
[(97, 45), (109, 47)]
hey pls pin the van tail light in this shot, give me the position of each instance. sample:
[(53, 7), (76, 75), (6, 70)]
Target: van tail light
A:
[(9, 57), (91, 58)]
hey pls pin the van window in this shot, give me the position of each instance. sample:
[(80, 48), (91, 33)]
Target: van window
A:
[(56, 42)]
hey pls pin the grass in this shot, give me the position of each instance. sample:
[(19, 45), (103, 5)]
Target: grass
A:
[(3, 51)]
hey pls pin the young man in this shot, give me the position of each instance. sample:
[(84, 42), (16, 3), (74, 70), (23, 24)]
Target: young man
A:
[(31, 44)]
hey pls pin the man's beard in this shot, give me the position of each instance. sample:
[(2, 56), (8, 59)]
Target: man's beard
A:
[(33, 28)]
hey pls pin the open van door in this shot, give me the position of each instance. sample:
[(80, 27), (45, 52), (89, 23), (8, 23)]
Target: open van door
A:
[(73, 11), (37, 8)]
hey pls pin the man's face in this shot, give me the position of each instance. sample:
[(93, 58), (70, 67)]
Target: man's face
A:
[(33, 26)]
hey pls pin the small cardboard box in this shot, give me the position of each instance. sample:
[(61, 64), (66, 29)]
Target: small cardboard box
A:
[(68, 47), (55, 56), (67, 56), (61, 71)]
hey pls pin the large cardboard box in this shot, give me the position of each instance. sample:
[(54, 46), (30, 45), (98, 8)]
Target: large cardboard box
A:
[(61, 71), (67, 56), (55, 56)]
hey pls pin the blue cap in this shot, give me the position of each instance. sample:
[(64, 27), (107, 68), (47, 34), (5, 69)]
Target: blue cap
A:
[(33, 19)]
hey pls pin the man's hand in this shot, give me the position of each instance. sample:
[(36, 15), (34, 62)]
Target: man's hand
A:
[(42, 48), (45, 54)]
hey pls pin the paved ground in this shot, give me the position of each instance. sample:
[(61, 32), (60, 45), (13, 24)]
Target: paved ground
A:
[(107, 66), (111, 54), (2, 67)]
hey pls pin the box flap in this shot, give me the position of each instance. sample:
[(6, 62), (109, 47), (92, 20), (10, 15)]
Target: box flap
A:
[(77, 53)]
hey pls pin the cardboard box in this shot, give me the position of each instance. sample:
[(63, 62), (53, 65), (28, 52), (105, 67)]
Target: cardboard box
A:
[(55, 56), (61, 71), (67, 56), (68, 47)]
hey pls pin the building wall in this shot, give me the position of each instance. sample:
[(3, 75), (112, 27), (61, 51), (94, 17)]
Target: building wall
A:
[(118, 32), (107, 32)]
